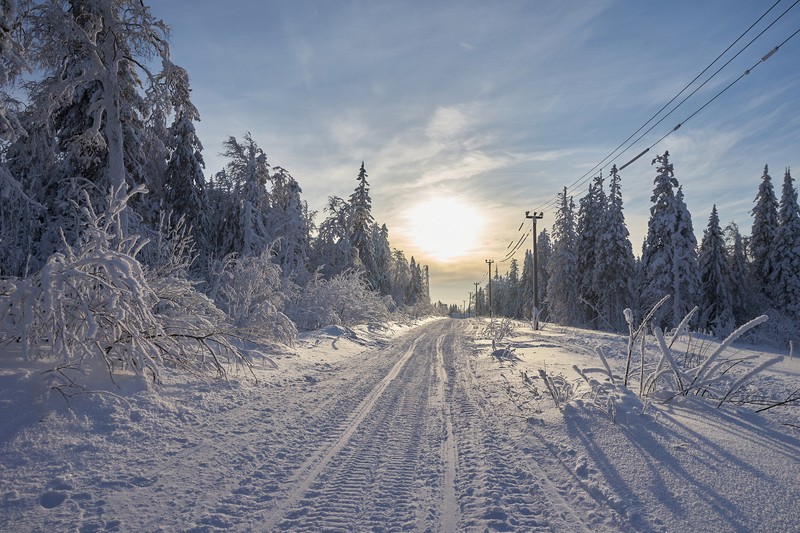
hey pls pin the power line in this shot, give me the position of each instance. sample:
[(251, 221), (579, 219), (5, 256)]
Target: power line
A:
[(586, 176)]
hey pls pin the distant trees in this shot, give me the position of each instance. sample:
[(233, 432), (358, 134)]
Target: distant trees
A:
[(588, 274)]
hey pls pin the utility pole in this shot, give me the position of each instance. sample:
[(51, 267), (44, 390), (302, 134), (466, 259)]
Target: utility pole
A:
[(535, 310), (489, 262), (477, 311), (463, 308), (469, 308)]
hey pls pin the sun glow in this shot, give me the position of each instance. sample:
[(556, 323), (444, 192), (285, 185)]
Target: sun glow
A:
[(445, 228)]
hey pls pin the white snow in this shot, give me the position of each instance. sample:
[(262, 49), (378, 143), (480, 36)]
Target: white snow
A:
[(395, 429)]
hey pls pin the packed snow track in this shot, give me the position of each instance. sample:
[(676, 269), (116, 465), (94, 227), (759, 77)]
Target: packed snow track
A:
[(418, 450)]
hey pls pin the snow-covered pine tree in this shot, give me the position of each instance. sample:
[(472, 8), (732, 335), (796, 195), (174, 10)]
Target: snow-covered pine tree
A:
[(716, 307), (401, 278), (90, 53), (762, 234), (416, 286), (526, 286), (184, 179), (332, 250), (785, 278), (669, 259), (290, 226), (742, 300), (615, 267), (589, 229), (249, 202), (383, 258), (360, 226), (562, 294), (544, 250)]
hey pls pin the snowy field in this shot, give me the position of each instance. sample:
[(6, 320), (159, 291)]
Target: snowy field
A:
[(404, 429)]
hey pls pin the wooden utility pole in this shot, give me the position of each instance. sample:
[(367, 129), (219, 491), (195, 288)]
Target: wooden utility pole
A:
[(489, 262), (535, 310), (477, 311)]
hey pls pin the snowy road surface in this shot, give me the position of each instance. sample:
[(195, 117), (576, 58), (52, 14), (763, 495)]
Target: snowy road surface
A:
[(414, 431)]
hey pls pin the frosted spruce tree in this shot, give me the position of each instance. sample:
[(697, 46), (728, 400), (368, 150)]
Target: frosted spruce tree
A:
[(588, 229), (243, 220), (614, 272), (716, 306), (360, 226), (383, 258), (332, 249), (743, 301), (785, 278), (762, 234), (184, 179), (669, 259), (94, 55), (290, 226), (562, 293)]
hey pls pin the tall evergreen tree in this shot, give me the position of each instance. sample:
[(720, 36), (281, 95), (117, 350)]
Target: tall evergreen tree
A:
[(785, 278), (741, 277), (716, 307), (615, 267), (765, 227), (360, 226), (333, 252), (589, 227), (669, 260), (562, 292), (184, 180), (290, 226)]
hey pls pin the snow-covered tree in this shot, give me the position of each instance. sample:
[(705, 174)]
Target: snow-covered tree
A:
[(383, 258), (333, 252), (785, 278), (765, 226), (247, 209), (184, 180), (762, 234), (92, 53), (562, 294), (716, 307), (401, 278), (589, 227), (360, 226), (669, 259), (291, 225), (742, 299), (615, 267)]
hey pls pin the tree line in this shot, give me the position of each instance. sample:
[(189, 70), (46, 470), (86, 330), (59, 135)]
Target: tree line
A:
[(97, 134), (588, 274)]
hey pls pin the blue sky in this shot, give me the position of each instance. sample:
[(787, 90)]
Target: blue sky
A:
[(494, 105)]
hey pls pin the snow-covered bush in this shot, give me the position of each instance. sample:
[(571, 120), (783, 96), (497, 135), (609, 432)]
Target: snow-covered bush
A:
[(701, 367), (344, 300), (251, 291), (95, 302)]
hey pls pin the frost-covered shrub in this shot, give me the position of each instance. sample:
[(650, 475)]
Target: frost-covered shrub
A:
[(700, 366), (95, 301), (251, 291), (344, 300)]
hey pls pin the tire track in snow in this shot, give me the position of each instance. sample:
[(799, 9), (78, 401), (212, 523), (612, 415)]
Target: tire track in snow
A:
[(375, 458), (500, 488)]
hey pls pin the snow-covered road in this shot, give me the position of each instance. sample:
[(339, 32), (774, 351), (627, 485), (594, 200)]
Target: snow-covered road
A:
[(418, 430)]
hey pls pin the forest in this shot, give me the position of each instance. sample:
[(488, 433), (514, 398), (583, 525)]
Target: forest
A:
[(588, 274), (116, 242)]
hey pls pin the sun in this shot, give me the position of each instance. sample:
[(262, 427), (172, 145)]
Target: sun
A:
[(445, 227)]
